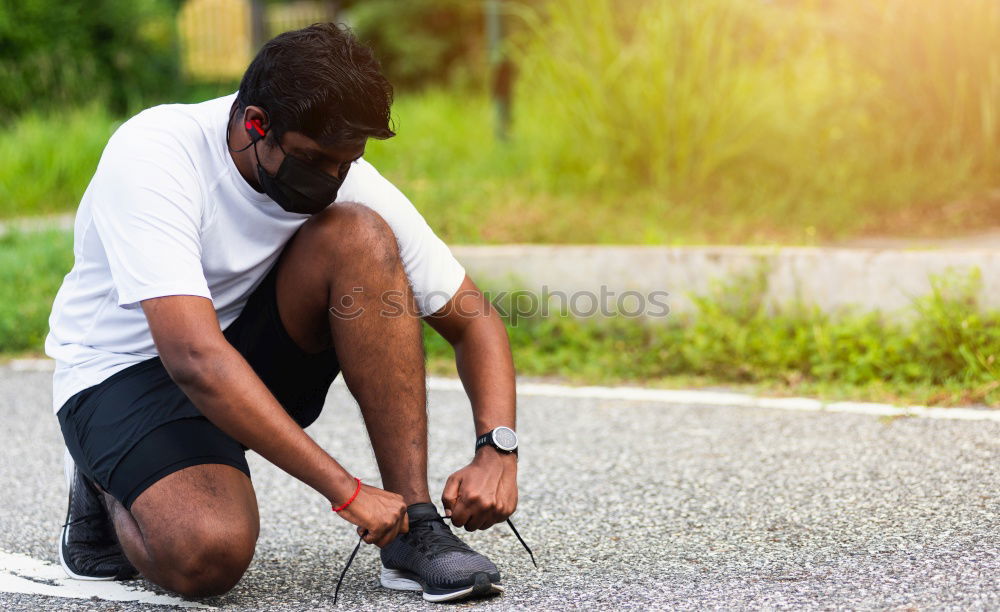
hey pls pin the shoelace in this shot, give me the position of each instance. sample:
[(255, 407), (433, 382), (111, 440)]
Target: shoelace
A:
[(442, 541), (357, 546), (84, 518)]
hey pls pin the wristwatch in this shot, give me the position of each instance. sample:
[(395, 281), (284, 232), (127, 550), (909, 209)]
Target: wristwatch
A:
[(502, 438)]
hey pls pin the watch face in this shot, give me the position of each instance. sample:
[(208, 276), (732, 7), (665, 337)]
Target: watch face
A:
[(505, 438)]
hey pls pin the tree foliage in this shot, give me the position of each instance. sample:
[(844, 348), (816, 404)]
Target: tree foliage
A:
[(57, 53)]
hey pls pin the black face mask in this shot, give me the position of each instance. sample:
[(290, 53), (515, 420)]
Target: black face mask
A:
[(298, 187)]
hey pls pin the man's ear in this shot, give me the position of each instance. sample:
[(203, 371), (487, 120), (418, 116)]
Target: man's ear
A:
[(257, 116)]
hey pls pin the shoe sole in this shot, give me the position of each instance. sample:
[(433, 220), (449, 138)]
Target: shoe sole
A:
[(399, 580), (68, 467)]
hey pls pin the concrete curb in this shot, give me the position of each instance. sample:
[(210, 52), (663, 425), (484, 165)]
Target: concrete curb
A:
[(62, 222), (832, 279), (673, 397)]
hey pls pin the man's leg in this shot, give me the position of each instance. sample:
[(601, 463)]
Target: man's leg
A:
[(193, 532), (336, 252)]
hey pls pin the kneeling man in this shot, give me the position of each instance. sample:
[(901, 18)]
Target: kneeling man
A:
[(231, 258)]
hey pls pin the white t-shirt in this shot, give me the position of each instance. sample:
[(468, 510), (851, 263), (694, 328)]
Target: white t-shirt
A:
[(168, 213)]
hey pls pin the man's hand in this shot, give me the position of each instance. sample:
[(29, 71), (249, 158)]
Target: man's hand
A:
[(482, 493), (380, 515)]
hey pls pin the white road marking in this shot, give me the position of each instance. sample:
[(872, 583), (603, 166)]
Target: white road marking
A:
[(736, 400), (23, 574), (687, 397)]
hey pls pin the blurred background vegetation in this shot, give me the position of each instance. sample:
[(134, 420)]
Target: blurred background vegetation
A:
[(636, 121), (632, 121)]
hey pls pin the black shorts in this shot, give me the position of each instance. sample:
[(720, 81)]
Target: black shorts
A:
[(138, 426)]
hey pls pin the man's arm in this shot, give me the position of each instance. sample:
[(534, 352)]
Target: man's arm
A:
[(224, 387), (484, 492)]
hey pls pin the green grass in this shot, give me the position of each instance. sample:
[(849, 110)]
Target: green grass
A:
[(720, 121), (946, 352), (32, 267), (49, 160), (758, 121)]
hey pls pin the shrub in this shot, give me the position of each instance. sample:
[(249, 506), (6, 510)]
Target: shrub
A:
[(56, 54)]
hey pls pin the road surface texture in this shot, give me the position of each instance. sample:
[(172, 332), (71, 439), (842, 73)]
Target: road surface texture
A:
[(626, 505)]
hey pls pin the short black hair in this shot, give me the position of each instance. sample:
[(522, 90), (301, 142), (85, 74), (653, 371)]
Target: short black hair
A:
[(320, 81)]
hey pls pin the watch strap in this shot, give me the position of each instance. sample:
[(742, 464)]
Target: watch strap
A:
[(483, 440)]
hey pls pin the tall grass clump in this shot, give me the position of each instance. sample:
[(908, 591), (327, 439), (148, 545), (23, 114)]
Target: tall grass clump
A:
[(717, 103), (797, 114), (32, 267), (48, 159), (936, 96)]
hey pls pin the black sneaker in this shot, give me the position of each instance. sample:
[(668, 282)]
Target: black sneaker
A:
[(88, 546), (430, 558)]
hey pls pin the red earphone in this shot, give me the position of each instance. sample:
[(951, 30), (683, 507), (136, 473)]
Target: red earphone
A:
[(255, 130)]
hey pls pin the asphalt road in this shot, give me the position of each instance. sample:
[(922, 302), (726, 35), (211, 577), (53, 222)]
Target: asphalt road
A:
[(626, 505)]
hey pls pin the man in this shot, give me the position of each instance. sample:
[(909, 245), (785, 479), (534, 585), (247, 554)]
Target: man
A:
[(215, 295)]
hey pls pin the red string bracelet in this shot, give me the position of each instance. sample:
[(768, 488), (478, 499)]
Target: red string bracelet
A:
[(348, 502)]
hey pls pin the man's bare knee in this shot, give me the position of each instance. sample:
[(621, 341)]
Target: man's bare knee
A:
[(207, 557), (355, 231), (203, 546), (210, 567)]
